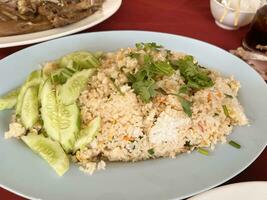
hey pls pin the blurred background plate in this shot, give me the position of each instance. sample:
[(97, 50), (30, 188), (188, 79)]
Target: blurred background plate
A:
[(24, 173), (238, 191), (108, 9)]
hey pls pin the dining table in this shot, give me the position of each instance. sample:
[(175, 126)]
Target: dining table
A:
[(190, 18)]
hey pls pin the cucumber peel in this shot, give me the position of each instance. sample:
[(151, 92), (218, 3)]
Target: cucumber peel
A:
[(68, 125), (61, 75), (30, 107), (49, 68), (33, 79), (50, 151), (70, 91), (9, 100), (79, 60), (87, 134), (49, 110)]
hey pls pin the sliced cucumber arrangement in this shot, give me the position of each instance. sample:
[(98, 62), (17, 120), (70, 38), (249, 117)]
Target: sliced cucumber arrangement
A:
[(30, 107), (87, 134), (9, 100), (79, 60), (46, 107), (34, 79), (70, 91), (50, 151)]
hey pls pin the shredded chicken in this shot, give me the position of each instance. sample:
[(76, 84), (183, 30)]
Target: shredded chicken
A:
[(15, 130)]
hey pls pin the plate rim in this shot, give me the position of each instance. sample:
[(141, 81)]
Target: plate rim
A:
[(60, 33), (232, 185), (173, 35)]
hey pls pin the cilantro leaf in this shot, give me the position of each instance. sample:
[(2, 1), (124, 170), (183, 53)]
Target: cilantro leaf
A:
[(143, 81), (186, 105), (145, 89), (161, 91), (184, 89), (134, 55), (131, 78), (152, 46), (148, 60), (115, 85), (225, 110), (195, 77), (151, 151), (163, 68)]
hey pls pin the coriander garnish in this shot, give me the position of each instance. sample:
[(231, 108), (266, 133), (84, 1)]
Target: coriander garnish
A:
[(225, 110), (143, 81), (151, 151), (115, 85), (152, 46), (234, 144), (145, 89), (162, 91), (195, 77), (186, 105), (203, 151), (228, 95), (215, 114), (134, 55), (187, 144), (184, 89)]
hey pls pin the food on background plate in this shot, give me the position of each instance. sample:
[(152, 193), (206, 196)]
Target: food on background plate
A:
[(27, 16), (134, 104)]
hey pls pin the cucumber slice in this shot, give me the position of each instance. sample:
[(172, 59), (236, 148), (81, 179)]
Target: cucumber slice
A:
[(61, 75), (40, 88), (98, 54), (9, 100), (49, 110), (50, 151), (70, 91), (61, 122), (69, 125), (87, 134), (30, 107), (49, 68), (79, 60), (33, 80)]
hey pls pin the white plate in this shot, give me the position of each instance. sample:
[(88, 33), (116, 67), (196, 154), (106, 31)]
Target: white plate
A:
[(237, 191), (24, 173), (109, 8)]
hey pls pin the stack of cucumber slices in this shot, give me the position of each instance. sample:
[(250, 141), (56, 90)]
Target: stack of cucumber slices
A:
[(49, 97)]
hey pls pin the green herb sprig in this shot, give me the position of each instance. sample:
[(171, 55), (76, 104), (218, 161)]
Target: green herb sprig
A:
[(143, 81), (234, 144), (186, 105), (196, 78), (112, 80), (203, 151), (225, 110), (151, 151), (152, 46)]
